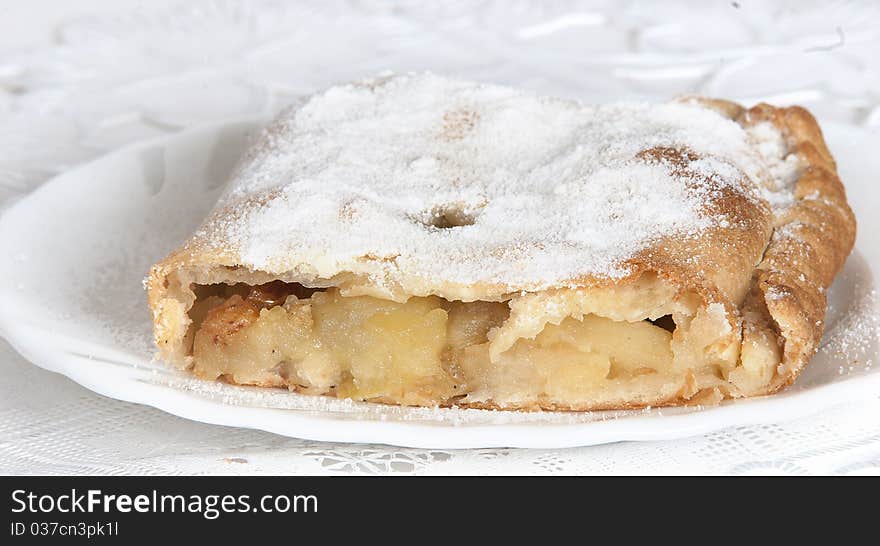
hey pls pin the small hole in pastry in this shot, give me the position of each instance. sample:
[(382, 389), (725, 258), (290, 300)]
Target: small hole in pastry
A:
[(664, 322), (449, 216)]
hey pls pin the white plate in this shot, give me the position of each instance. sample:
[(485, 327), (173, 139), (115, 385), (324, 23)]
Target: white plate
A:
[(77, 249)]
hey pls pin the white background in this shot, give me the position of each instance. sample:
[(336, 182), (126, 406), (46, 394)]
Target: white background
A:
[(78, 79), (31, 23)]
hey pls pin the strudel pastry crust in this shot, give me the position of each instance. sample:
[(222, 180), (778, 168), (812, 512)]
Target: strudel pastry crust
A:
[(423, 241)]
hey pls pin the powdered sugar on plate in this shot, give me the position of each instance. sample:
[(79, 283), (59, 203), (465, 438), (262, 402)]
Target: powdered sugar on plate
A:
[(466, 183)]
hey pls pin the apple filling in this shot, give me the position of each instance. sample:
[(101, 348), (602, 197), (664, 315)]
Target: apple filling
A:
[(430, 351)]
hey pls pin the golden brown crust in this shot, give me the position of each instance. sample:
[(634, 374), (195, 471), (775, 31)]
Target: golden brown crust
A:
[(771, 276), (812, 238)]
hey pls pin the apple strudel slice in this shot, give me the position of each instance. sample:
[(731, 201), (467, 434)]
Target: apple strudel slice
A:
[(423, 241)]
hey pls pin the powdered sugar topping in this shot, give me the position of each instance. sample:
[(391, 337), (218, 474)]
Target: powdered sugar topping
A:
[(439, 179)]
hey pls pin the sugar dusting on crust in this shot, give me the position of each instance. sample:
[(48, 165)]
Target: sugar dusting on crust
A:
[(782, 167), (466, 183)]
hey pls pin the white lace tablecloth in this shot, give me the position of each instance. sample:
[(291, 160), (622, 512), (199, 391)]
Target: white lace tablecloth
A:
[(102, 81)]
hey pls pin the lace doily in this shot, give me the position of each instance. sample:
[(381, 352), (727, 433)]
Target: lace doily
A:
[(108, 81)]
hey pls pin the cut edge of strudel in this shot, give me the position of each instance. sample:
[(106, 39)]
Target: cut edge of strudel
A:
[(423, 241)]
